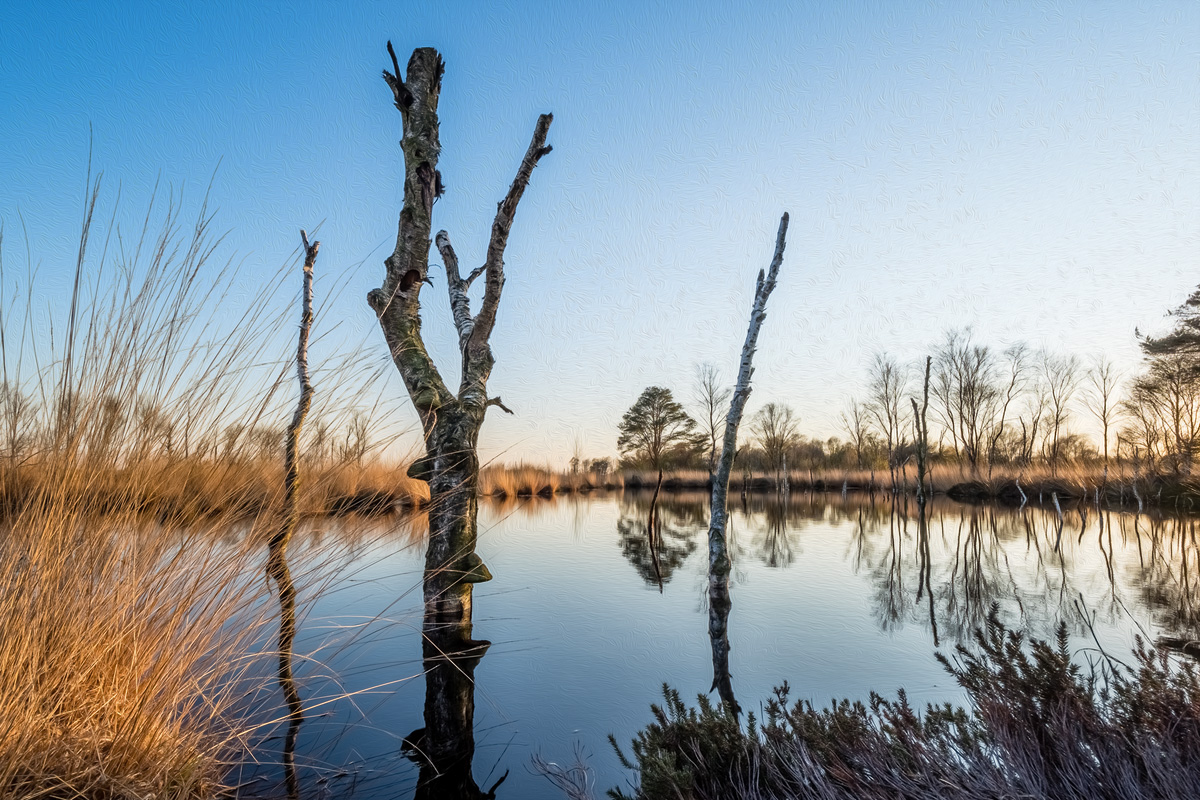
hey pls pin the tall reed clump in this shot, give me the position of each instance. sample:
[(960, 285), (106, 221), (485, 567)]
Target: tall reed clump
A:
[(1038, 726), (124, 657), (126, 667), (519, 480)]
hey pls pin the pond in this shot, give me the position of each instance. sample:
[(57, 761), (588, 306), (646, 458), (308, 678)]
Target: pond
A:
[(586, 622)]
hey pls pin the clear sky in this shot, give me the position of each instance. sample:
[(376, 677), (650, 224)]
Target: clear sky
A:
[(1031, 169)]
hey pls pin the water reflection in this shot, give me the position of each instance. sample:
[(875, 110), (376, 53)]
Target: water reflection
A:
[(838, 596), (719, 604), (944, 565), (445, 747), (657, 538), (277, 569)]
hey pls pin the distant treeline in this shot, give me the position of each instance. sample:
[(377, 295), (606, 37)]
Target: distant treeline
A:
[(986, 408)]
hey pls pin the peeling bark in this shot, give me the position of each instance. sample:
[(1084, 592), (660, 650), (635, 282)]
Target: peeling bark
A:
[(450, 420), (719, 602)]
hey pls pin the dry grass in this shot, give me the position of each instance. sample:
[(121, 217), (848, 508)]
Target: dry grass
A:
[(1038, 483), (519, 480), (129, 442), (206, 489), (124, 655)]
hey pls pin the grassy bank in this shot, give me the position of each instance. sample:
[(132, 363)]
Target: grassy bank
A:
[(1038, 484), (209, 489), (1037, 726)]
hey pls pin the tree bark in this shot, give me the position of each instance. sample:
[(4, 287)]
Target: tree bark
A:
[(450, 421), (719, 602)]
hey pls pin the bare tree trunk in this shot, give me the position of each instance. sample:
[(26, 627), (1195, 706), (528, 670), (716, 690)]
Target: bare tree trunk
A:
[(450, 421), (719, 602), (922, 430), (291, 481), (277, 567)]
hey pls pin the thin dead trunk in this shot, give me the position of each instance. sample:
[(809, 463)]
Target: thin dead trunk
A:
[(277, 567), (719, 602), (922, 431), (291, 481), (653, 531), (450, 420)]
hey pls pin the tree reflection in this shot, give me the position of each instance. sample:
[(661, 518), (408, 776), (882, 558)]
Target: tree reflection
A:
[(277, 569), (944, 566), (657, 539), (445, 747)]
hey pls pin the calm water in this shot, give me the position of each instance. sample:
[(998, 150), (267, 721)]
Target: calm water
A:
[(837, 596)]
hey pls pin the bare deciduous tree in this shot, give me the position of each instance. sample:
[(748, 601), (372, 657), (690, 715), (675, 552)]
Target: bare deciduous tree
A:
[(856, 424), (1100, 397), (886, 407), (711, 398), (776, 430), (1061, 375)]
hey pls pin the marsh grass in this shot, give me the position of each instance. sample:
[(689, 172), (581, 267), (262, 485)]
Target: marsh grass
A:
[(519, 480), (124, 653), (1120, 485), (1038, 726), (141, 419)]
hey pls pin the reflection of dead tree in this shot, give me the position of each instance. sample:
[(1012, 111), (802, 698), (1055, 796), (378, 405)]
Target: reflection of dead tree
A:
[(445, 747), (653, 534), (287, 680), (925, 568)]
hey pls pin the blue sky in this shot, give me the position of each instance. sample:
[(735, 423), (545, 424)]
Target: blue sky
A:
[(1032, 170)]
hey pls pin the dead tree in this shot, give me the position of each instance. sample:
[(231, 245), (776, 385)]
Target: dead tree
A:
[(921, 428), (277, 567), (450, 420), (291, 481), (719, 601)]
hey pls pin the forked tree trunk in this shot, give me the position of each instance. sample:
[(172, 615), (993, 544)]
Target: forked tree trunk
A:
[(450, 420), (719, 601)]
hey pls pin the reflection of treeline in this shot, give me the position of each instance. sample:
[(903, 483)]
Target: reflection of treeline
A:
[(945, 569)]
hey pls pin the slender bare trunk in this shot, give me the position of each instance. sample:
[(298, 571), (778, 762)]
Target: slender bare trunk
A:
[(719, 566), (277, 567), (291, 481)]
